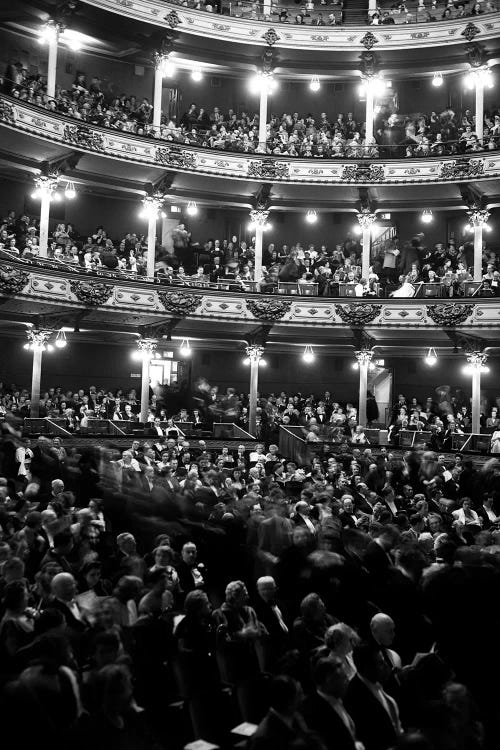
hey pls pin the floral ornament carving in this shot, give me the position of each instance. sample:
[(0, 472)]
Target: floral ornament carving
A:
[(268, 309), (271, 37), (369, 40), (175, 157), (173, 19), (81, 135), (268, 169), (12, 281), (6, 113), (91, 293), (358, 314), (470, 31), (449, 315), (462, 169), (179, 303), (363, 173)]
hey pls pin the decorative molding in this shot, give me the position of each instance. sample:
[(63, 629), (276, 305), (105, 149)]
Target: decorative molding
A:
[(369, 40), (271, 36), (246, 30), (91, 293), (179, 303), (268, 309), (82, 135), (173, 19), (6, 112), (462, 169), (449, 315), (358, 314), (268, 169), (174, 156), (363, 173), (470, 31), (12, 280)]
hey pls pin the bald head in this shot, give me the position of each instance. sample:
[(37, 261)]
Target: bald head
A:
[(64, 586), (383, 629)]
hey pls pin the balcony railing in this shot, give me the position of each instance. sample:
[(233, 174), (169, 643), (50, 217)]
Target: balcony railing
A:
[(164, 154), (232, 25)]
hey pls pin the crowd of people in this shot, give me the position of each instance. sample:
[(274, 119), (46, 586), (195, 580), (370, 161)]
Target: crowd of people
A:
[(288, 134), (164, 590), (397, 268)]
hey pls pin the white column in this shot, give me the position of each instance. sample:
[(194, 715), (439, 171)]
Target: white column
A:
[(147, 347), (366, 220), (167, 227), (476, 362), (263, 114), (369, 110), (479, 105), (258, 221), (53, 41), (45, 186), (157, 92), (364, 358), (372, 5), (267, 7), (152, 205), (37, 343), (254, 354), (478, 218)]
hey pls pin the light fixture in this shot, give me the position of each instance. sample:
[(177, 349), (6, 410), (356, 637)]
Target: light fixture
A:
[(314, 84), (308, 355), (357, 229), (48, 32), (192, 208), (262, 362), (437, 80), (56, 197), (431, 358), (168, 67), (185, 348), (69, 190), (60, 341), (311, 216), (481, 75), (246, 361), (262, 80), (426, 216), (196, 75)]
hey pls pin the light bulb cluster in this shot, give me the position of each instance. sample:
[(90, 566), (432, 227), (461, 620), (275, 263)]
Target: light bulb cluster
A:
[(479, 76), (151, 205), (52, 31), (437, 80), (38, 340), (427, 216), (48, 186), (315, 84), (311, 216), (376, 84), (192, 208), (431, 358), (263, 81)]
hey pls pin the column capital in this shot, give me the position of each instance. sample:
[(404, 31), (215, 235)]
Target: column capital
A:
[(364, 356), (478, 216), (46, 184), (152, 204), (37, 339), (159, 59), (254, 352), (259, 217), (147, 346), (477, 360), (51, 30), (366, 219)]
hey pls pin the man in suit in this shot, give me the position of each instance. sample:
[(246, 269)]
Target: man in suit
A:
[(282, 726), (374, 711), (417, 526), (64, 592), (324, 709), (271, 616), (377, 558)]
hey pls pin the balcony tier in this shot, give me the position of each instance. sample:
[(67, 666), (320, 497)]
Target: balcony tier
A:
[(262, 33), (28, 289), (168, 156)]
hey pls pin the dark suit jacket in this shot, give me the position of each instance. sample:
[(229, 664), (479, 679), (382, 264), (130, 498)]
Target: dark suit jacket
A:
[(324, 720), (376, 559), (273, 734), (279, 640), (373, 724)]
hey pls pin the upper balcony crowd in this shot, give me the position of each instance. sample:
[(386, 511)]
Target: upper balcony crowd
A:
[(338, 13), (398, 268), (288, 134)]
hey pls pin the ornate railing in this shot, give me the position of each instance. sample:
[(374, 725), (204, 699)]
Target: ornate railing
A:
[(247, 31), (55, 289), (165, 155)]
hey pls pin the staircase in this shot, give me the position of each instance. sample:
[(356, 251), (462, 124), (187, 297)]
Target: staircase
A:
[(355, 12), (387, 234)]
